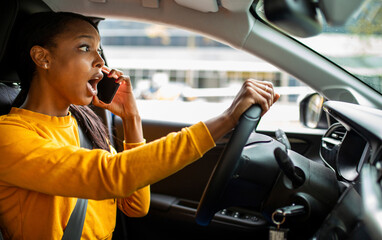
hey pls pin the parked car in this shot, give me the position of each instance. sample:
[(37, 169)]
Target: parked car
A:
[(310, 184)]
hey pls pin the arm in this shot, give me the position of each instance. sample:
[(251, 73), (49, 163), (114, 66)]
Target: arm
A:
[(36, 162), (138, 203), (124, 106)]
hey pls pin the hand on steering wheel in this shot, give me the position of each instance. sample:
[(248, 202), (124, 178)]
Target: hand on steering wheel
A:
[(253, 100)]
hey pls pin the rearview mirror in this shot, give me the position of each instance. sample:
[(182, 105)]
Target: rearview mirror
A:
[(297, 17), (304, 18), (337, 12)]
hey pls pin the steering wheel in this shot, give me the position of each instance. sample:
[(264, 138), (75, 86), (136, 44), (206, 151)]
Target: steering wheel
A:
[(226, 166)]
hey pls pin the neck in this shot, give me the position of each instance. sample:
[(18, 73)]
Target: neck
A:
[(42, 107), (41, 99)]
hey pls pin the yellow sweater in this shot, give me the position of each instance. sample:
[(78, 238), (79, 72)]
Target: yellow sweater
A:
[(43, 170)]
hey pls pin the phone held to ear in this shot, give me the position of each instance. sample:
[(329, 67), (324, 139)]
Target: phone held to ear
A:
[(107, 87)]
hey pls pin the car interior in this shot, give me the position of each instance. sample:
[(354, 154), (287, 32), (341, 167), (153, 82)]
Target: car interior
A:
[(318, 184)]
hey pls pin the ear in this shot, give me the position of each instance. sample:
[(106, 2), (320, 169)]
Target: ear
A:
[(40, 56)]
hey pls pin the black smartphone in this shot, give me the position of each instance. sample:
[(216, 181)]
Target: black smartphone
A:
[(107, 87)]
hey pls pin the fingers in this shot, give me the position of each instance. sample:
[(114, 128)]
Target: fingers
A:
[(262, 93), (118, 75), (266, 92), (276, 98), (257, 94)]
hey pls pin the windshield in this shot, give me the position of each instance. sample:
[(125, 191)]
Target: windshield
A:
[(185, 77), (356, 46)]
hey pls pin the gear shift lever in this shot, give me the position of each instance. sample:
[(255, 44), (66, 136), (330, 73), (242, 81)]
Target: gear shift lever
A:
[(287, 166)]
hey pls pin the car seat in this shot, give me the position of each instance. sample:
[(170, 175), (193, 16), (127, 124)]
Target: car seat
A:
[(8, 93)]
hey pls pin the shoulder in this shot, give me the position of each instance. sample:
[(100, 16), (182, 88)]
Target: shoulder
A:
[(12, 126), (13, 118)]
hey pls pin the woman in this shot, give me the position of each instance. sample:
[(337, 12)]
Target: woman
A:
[(46, 170)]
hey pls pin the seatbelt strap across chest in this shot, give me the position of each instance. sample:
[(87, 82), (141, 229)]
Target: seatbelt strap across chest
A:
[(73, 230)]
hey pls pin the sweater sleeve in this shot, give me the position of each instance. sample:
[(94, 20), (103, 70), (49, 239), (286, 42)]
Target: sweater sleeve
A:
[(138, 203), (40, 164)]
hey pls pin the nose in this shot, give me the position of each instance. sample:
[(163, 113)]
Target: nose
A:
[(98, 61)]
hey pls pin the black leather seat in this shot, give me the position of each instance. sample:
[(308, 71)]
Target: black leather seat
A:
[(9, 13), (8, 93)]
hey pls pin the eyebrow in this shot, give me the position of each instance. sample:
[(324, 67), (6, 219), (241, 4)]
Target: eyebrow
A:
[(85, 36)]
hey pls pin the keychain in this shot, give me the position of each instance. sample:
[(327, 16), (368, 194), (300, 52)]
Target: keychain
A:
[(277, 233)]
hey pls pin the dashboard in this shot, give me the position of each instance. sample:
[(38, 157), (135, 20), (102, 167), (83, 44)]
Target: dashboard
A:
[(344, 151), (356, 138), (352, 147)]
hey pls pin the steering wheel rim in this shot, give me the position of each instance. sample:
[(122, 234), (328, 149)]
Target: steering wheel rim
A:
[(226, 165)]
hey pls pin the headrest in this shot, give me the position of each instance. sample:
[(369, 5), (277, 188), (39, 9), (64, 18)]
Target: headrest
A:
[(8, 93), (12, 13), (8, 14)]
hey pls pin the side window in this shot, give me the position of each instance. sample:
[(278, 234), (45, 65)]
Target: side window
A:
[(184, 77)]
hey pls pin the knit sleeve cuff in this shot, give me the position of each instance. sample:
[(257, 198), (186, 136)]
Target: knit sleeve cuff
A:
[(127, 146)]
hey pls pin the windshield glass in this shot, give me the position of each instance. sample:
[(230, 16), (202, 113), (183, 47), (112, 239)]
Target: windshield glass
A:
[(356, 46), (181, 76)]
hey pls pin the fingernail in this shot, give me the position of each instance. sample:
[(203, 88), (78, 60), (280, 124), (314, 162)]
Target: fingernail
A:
[(105, 69)]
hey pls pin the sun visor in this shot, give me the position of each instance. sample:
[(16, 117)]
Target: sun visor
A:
[(200, 5)]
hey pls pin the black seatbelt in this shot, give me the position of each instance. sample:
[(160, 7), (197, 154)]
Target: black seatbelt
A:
[(73, 230)]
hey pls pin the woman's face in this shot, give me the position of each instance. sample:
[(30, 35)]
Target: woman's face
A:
[(75, 66)]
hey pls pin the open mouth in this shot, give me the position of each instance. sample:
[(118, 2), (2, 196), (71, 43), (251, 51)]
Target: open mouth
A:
[(92, 86), (92, 83)]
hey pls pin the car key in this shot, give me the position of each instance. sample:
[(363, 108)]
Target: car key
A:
[(277, 233), (291, 210)]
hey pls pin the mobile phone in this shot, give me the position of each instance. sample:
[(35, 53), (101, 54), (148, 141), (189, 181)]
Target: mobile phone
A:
[(107, 87)]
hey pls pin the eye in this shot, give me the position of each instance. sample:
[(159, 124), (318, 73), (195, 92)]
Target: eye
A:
[(99, 50), (84, 48)]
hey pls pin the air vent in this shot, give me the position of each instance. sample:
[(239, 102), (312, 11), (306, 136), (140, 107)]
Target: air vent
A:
[(334, 136), (331, 142), (338, 133)]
